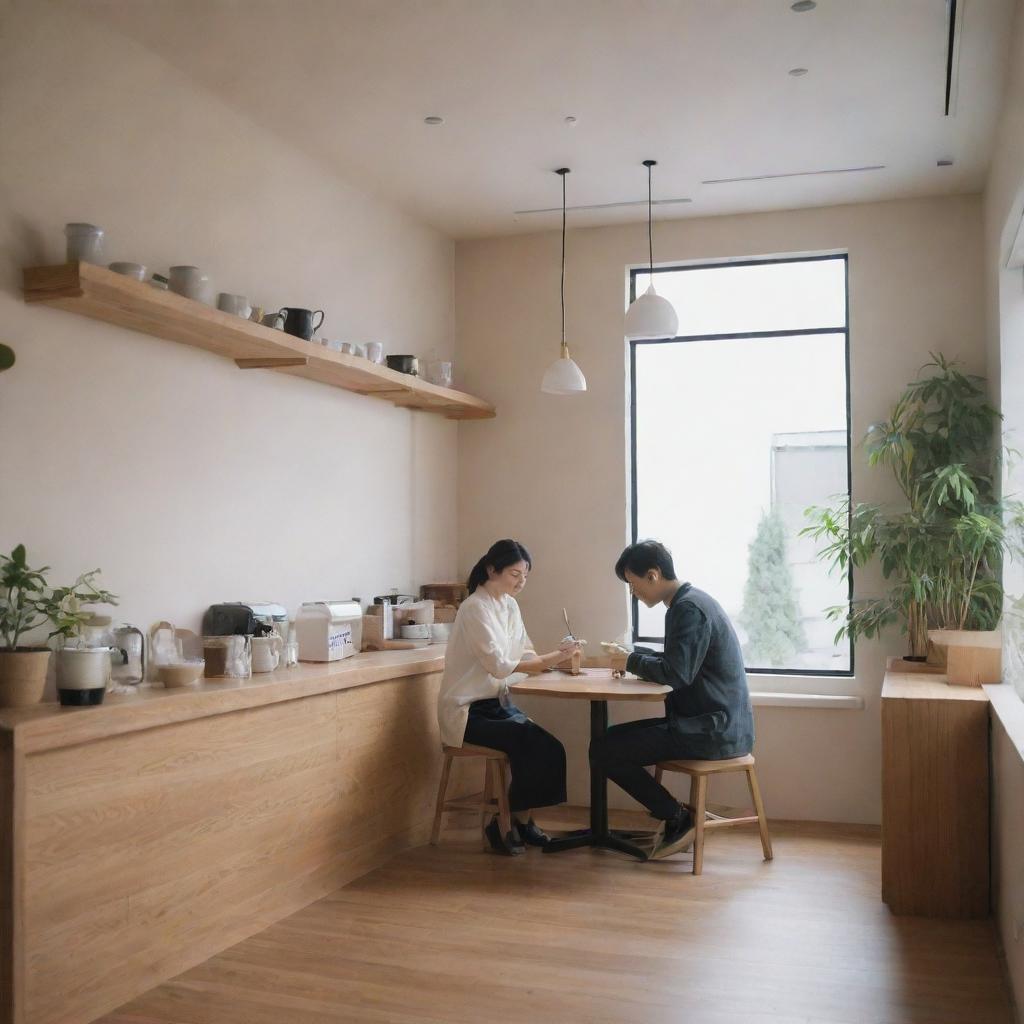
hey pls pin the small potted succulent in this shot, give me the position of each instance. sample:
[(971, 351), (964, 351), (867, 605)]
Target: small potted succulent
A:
[(27, 602)]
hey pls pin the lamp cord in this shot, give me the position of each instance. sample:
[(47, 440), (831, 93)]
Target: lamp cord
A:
[(562, 286), (650, 226)]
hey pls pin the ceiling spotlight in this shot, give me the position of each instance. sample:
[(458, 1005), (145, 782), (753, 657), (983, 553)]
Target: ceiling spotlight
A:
[(570, 120), (802, 6), (798, 72), (433, 119), (944, 163)]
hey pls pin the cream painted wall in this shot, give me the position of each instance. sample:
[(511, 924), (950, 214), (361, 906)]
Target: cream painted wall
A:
[(1004, 203), (187, 480), (553, 471)]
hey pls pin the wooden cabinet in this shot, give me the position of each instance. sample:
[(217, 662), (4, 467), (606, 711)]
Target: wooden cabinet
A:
[(935, 797), (143, 836)]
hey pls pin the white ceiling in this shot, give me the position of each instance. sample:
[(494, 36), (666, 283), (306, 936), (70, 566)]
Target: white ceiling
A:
[(700, 85)]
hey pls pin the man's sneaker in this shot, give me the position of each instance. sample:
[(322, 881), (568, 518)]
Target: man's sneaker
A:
[(677, 836)]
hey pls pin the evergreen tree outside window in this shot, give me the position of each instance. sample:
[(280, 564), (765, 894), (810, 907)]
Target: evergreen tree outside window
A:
[(737, 425), (771, 611)]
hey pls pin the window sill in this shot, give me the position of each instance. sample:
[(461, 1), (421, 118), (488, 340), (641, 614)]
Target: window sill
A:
[(1009, 709), (836, 702)]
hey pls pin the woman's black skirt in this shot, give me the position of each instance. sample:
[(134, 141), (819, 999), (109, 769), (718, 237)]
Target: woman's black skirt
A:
[(536, 758)]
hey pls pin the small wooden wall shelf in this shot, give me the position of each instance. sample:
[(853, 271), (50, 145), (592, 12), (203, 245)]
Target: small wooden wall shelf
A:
[(101, 294)]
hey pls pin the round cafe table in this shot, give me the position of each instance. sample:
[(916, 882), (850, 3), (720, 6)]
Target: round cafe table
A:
[(598, 686)]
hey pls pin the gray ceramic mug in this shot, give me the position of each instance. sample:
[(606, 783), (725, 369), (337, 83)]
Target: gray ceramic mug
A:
[(299, 322)]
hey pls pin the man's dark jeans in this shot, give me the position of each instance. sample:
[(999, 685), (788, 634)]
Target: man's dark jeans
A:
[(624, 751)]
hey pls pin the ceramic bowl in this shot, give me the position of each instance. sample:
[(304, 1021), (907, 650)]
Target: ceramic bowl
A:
[(181, 673), (136, 270), (415, 631)]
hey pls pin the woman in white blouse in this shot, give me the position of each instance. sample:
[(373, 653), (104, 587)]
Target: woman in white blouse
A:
[(488, 650)]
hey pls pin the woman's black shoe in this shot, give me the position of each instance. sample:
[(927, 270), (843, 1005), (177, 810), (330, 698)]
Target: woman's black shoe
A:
[(530, 833), (505, 845)]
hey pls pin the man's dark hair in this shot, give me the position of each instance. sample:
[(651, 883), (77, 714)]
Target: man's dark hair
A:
[(644, 555)]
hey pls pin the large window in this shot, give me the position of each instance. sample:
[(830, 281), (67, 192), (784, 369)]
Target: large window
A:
[(739, 424)]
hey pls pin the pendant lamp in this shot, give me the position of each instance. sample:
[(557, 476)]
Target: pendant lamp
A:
[(650, 316), (563, 376)]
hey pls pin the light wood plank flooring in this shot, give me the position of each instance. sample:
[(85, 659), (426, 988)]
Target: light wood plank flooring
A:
[(450, 934)]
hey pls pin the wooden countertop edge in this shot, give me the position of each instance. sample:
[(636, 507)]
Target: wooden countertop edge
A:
[(921, 684), (50, 726)]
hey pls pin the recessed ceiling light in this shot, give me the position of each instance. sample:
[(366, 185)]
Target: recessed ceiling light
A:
[(433, 119), (944, 163), (802, 6), (798, 72), (570, 120)]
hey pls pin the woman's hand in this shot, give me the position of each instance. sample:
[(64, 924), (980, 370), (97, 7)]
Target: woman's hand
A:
[(538, 663)]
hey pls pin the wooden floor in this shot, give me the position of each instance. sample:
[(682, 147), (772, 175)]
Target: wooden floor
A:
[(450, 934)]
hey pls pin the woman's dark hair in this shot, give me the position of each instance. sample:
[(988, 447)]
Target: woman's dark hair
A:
[(500, 556), (644, 555)]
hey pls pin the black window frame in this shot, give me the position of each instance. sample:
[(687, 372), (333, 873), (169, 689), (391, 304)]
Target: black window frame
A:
[(633, 344)]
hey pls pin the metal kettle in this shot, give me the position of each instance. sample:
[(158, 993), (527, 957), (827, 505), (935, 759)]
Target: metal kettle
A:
[(128, 655)]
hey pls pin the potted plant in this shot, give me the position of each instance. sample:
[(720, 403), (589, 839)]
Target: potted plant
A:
[(26, 603), (941, 550)]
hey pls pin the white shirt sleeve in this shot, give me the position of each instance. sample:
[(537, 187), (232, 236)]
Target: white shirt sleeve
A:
[(488, 642)]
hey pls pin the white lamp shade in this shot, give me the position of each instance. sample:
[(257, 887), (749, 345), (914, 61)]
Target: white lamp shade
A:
[(563, 377), (651, 316)]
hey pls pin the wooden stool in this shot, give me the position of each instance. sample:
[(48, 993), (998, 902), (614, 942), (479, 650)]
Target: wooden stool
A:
[(699, 772), (494, 798)]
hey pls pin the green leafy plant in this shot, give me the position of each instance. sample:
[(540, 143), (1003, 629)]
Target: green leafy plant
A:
[(941, 552), (771, 611), (27, 601)]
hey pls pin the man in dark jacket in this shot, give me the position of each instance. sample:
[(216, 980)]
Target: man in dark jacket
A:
[(707, 714)]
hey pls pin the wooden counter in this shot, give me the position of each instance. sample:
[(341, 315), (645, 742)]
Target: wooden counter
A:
[(140, 837), (935, 797)]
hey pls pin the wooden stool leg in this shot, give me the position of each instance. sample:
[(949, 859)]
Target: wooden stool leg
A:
[(502, 779), (699, 814), (490, 801), (442, 789), (762, 820), (693, 796)]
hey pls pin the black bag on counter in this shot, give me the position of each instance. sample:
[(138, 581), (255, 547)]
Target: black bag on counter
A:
[(232, 619)]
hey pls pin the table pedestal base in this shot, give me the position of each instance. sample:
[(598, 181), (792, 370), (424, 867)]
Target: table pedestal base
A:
[(599, 835)]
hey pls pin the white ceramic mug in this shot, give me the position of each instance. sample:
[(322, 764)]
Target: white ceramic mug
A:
[(375, 352), (266, 653), (188, 281), (348, 348), (85, 243), (274, 320), (236, 304), (415, 631)]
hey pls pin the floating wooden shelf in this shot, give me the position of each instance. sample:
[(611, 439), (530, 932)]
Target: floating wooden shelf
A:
[(101, 294)]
